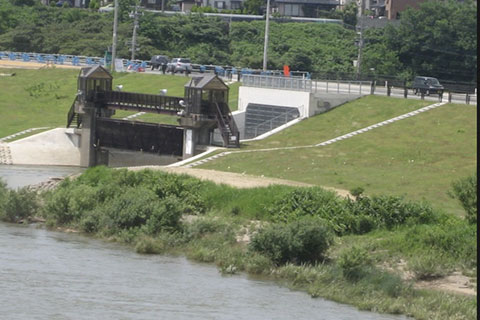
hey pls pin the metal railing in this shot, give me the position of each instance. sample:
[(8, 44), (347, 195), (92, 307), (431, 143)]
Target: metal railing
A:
[(268, 125), (272, 82)]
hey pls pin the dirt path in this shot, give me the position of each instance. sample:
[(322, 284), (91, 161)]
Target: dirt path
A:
[(237, 180), (32, 65)]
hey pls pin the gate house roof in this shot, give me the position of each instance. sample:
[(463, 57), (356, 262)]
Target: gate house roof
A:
[(207, 82), (95, 72)]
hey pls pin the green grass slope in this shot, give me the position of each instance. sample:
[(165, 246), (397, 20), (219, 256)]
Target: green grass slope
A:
[(417, 157)]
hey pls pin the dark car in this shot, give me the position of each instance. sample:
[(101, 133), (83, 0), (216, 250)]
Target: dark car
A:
[(427, 85), (158, 61)]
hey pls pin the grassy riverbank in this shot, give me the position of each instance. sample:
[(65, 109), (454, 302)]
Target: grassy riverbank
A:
[(418, 157), (370, 252)]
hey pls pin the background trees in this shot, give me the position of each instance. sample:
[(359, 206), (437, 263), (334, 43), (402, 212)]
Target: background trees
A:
[(438, 39)]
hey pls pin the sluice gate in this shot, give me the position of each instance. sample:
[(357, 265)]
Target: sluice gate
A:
[(203, 109)]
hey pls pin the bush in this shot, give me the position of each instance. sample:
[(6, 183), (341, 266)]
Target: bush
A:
[(140, 206), (200, 227), (465, 190), (70, 201), (354, 263), (451, 240), (428, 266), (390, 211), (304, 241), (305, 202), (3, 194), (19, 205)]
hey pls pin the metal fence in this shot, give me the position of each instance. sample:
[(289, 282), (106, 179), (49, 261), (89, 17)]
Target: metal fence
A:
[(286, 83)]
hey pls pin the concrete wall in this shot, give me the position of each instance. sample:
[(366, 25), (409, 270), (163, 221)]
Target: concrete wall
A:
[(308, 104), (276, 97), (322, 102)]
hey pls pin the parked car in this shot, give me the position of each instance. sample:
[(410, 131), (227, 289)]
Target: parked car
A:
[(179, 65), (108, 8), (158, 61), (427, 85)]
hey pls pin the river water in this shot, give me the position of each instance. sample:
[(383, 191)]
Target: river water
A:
[(54, 275)]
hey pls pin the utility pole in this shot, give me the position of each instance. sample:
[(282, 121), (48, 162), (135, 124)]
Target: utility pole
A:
[(360, 33), (114, 44), (134, 35), (265, 45)]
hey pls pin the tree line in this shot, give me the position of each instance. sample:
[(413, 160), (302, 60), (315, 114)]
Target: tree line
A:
[(438, 39)]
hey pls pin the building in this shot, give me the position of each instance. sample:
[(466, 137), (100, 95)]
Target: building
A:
[(393, 8), (290, 8), (304, 8)]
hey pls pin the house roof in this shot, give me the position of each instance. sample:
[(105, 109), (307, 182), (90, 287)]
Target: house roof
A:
[(209, 81), (95, 72)]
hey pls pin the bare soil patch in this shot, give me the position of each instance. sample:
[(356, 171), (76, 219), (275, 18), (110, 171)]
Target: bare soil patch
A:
[(237, 180)]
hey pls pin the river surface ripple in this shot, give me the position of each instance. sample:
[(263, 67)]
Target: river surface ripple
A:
[(53, 275)]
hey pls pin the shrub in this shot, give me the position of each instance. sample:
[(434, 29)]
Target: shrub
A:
[(305, 202), (140, 206), (201, 227), (391, 211), (149, 245), (428, 266), (303, 241), (451, 240), (354, 263), (3, 195), (19, 205), (70, 201), (465, 190)]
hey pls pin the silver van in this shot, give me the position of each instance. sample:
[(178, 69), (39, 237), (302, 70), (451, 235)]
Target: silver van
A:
[(179, 65)]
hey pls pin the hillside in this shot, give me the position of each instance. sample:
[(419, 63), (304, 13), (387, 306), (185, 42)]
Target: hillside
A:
[(418, 157)]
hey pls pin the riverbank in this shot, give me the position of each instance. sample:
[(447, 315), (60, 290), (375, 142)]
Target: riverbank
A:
[(226, 220)]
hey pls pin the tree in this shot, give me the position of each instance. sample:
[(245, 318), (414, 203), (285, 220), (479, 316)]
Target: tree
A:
[(349, 14), (254, 6), (437, 39)]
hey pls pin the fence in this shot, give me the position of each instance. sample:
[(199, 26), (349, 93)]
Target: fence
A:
[(272, 82)]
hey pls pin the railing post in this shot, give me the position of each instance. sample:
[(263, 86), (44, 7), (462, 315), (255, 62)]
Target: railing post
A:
[(405, 90), (389, 90), (467, 98), (449, 97)]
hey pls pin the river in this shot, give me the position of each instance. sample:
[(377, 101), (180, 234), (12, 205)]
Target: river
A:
[(55, 275)]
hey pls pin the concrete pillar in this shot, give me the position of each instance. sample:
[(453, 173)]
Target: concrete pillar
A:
[(87, 141), (189, 142)]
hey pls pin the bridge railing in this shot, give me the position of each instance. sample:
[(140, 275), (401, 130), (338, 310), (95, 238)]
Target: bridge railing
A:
[(131, 100)]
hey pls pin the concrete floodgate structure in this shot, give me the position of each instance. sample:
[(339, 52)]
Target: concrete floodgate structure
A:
[(57, 147)]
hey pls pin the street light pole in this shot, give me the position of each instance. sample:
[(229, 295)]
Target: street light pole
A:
[(265, 45), (114, 44)]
